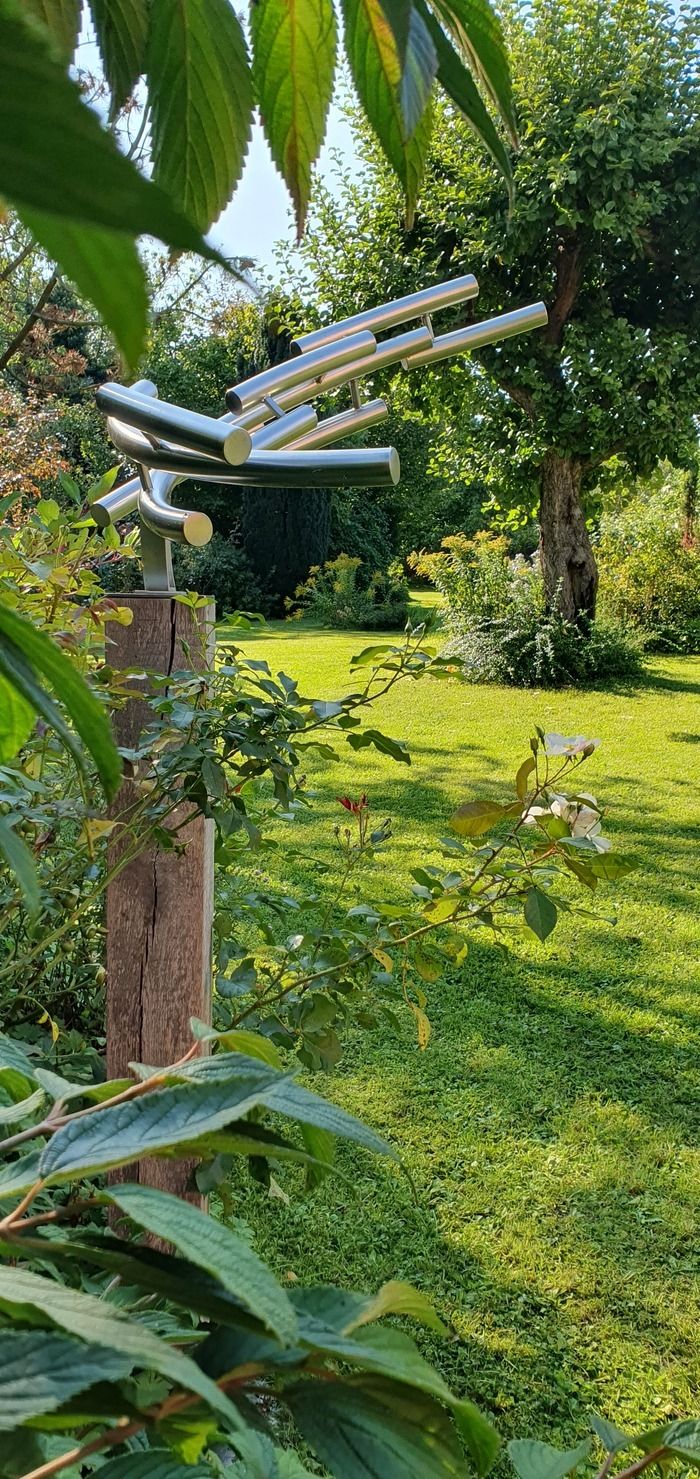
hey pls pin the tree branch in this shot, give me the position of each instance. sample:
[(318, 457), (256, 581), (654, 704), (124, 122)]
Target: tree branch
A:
[(568, 284), (29, 322), (17, 261)]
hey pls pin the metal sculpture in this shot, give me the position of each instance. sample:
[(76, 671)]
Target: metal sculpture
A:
[(270, 435)]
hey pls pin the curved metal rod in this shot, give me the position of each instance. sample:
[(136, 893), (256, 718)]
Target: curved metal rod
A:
[(345, 424), (284, 430), (413, 305), (117, 504), (489, 331), (185, 526), (186, 428), (292, 371)]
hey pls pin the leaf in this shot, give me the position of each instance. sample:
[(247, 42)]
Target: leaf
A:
[(427, 969), (478, 1436), (479, 36), (417, 59), (368, 654), (11, 1114), (18, 1176), (523, 776), (157, 1122), (610, 866), (423, 1025), (294, 51), (85, 710), (53, 148), (105, 266), (212, 1246), (540, 913), (320, 1144), (121, 27), (461, 88), (39, 1370), (441, 909), (200, 95), (612, 1438), (61, 18), (375, 64), (158, 1463), (681, 1438), (398, 1298), (369, 1428), (381, 742), (20, 862), (533, 1460), (476, 817), (17, 720), (87, 1317), (253, 1044)]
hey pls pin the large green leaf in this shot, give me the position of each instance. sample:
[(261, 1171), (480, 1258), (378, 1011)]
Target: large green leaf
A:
[(375, 64), (222, 1253), (540, 913), (121, 1133), (477, 31), (121, 27), (461, 88), (38, 652), (369, 1429), (294, 50), (94, 1320), (20, 862), (40, 1370), (62, 21), (533, 1460), (56, 158), (200, 95), (18, 1176), (158, 1463), (17, 720), (105, 266)]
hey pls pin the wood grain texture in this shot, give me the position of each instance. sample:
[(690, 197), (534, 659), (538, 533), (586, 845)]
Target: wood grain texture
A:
[(159, 908)]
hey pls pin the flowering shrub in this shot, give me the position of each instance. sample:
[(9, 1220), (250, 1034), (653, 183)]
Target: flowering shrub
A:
[(650, 569), (337, 595), (500, 626)]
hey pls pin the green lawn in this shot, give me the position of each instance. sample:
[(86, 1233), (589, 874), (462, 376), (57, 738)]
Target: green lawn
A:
[(551, 1126)]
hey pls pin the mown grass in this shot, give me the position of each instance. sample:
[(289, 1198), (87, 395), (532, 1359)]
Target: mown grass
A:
[(551, 1126)]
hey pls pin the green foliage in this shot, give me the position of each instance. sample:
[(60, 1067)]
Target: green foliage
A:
[(340, 594), (223, 571), (500, 626), (285, 532), (650, 566), (201, 89)]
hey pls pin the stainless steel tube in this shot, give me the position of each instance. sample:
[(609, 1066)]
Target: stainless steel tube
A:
[(345, 424), (185, 526), (292, 371), (117, 504), (387, 315), (284, 430), (350, 467), (187, 428), (489, 331)]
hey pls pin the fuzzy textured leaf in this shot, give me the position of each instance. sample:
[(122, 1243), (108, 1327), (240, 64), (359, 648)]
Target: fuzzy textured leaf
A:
[(369, 1429), (533, 1460), (294, 52), (158, 1463), (201, 99), (39, 1370)]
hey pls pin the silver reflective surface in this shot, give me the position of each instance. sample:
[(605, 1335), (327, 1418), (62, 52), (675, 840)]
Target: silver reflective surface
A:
[(387, 315), (284, 430), (489, 331), (187, 428), (345, 424), (293, 371)]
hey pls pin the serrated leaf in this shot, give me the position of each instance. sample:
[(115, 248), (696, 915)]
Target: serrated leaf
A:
[(533, 1460), (417, 59), (215, 1248), (53, 148), (375, 64), (106, 268), (158, 1463), (367, 1428), (540, 913), (61, 18), (478, 34), (461, 88), (201, 99), (121, 27), (89, 1318), (21, 863), (40, 1370), (476, 817), (24, 649), (294, 52)]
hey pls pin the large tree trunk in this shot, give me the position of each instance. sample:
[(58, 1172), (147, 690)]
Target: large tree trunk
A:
[(568, 563)]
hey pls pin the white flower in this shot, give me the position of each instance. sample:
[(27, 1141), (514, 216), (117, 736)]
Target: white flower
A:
[(574, 744), (581, 815)]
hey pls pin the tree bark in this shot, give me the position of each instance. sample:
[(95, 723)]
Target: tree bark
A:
[(568, 563)]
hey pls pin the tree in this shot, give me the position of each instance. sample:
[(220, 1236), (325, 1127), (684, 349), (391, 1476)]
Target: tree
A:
[(605, 228), (200, 88)]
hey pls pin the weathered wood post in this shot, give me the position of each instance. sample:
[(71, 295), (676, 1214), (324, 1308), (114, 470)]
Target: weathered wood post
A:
[(159, 908)]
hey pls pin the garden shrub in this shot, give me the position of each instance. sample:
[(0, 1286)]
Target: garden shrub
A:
[(361, 527), (223, 571), (500, 627), (650, 568), (337, 595)]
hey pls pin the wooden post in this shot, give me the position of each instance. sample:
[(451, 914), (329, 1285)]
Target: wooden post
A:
[(159, 908)]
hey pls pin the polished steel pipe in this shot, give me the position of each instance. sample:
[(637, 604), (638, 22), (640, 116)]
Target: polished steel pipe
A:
[(117, 504), (185, 526), (292, 371), (387, 315), (366, 467), (187, 428), (489, 331), (345, 424), (283, 432), (389, 352)]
